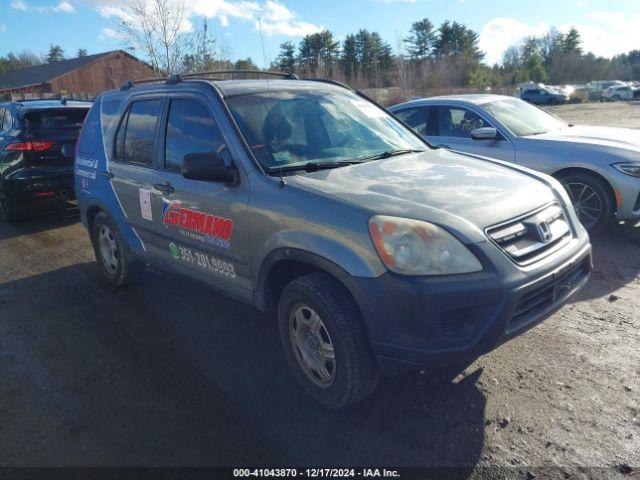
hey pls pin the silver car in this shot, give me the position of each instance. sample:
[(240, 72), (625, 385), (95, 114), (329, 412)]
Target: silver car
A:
[(371, 252), (599, 166)]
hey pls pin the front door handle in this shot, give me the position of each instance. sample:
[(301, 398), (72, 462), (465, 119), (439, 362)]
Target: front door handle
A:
[(164, 187)]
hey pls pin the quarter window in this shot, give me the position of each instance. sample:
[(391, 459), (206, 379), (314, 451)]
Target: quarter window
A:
[(191, 129), (137, 141)]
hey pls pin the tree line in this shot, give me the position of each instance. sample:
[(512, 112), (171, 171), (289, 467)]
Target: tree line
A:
[(27, 58), (449, 55)]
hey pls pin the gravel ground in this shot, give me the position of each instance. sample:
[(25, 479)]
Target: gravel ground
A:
[(169, 373), (618, 114)]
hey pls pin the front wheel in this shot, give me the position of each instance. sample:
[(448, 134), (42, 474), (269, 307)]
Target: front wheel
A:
[(591, 200), (324, 341), (115, 261)]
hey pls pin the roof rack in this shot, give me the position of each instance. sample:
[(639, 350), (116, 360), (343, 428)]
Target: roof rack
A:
[(290, 76), (176, 78), (131, 83)]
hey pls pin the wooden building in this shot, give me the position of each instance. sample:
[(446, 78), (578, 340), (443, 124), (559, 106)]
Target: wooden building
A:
[(83, 75)]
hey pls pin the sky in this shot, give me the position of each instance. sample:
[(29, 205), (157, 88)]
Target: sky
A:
[(607, 28)]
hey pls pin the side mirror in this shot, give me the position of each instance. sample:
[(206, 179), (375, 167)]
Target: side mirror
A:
[(484, 133), (208, 167)]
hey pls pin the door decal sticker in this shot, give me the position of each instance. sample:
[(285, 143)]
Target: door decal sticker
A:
[(205, 227), (145, 204)]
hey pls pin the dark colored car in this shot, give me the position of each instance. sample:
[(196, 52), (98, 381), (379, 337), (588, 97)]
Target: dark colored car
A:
[(542, 96), (37, 146)]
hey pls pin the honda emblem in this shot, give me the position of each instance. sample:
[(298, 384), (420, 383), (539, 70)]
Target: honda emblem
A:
[(544, 231)]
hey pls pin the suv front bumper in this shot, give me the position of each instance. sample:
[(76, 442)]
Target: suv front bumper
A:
[(440, 321)]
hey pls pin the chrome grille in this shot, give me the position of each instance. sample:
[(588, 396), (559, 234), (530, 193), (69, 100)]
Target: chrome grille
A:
[(533, 236)]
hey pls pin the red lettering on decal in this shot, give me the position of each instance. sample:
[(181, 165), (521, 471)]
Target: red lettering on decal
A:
[(196, 221)]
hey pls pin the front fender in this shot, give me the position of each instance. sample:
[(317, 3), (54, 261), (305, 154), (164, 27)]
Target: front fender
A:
[(354, 258)]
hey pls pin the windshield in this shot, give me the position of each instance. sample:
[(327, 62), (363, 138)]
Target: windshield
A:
[(299, 127), (522, 118)]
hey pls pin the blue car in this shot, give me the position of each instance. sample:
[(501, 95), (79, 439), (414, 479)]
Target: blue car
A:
[(544, 96)]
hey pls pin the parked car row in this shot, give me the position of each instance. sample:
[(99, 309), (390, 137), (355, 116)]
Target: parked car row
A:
[(379, 243)]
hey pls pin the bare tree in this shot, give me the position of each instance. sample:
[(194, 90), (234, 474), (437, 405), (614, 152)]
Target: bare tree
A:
[(157, 28)]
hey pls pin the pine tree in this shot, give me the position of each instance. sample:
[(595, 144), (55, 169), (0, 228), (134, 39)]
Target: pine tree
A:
[(421, 40), (349, 57), (571, 42), (286, 60), (56, 54)]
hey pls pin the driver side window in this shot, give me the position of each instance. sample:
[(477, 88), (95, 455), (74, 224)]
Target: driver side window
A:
[(191, 129), (458, 122)]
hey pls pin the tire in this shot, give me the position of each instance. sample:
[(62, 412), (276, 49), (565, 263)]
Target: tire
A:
[(585, 200), (553, 102), (117, 264), (352, 374), (617, 98), (9, 213)]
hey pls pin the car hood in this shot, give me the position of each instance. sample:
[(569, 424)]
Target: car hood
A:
[(625, 138), (434, 186)]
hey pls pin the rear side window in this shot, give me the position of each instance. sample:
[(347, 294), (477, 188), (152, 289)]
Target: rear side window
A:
[(136, 136), (416, 118), (191, 129), (56, 118), (90, 137)]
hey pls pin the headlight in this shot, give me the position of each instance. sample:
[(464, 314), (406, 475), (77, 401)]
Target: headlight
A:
[(412, 247), (632, 169)]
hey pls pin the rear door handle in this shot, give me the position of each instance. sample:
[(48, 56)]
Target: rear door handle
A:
[(164, 187)]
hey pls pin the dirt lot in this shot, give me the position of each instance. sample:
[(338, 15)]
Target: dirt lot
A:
[(618, 114), (168, 373)]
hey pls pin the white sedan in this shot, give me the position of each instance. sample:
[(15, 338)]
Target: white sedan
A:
[(598, 166)]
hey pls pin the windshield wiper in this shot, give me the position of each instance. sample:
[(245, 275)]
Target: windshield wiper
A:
[(390, 153), (311, 166), (537, 133)]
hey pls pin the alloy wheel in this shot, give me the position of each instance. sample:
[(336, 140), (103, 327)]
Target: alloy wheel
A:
[(587, 203), (312, 345)]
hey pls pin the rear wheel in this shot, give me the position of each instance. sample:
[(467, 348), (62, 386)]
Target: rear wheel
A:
[(116, 262), (324, 341), (553, 102), (591, 200)]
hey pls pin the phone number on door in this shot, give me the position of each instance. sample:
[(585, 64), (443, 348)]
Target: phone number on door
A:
[(202, 260)]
